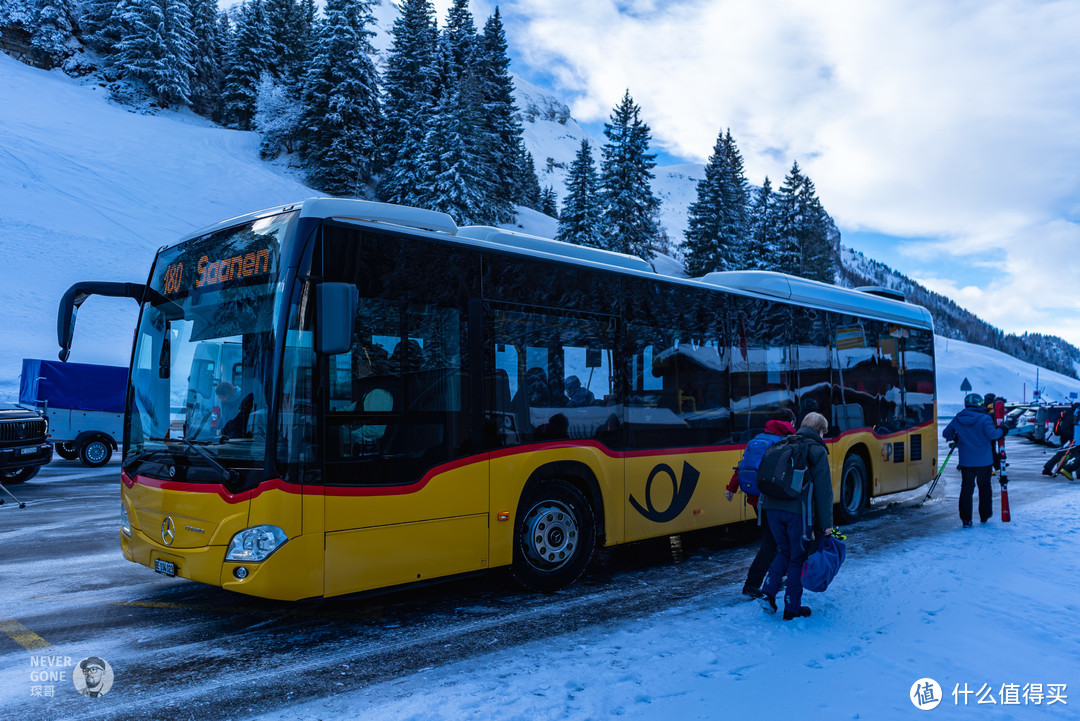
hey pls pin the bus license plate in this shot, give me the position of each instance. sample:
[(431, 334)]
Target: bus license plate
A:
[(28, 451), (166, 567)]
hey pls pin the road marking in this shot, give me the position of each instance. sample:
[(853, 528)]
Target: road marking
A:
[(23, 636)]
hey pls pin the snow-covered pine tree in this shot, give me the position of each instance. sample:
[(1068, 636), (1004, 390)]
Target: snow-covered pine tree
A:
[(529, 193), (717, 220), (549, 202), (248, 58), (818, 261), (629, 206), (340, 102), (207, 58), (738, 218), (408, 93), (448, 168), (53, 26), (100, 30), (291, 40), (761, 245), (788, 255), (580, 219), (155, 47), (278, 114), (464, 84), (503, 141)]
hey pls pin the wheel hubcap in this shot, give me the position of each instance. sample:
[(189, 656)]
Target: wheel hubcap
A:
[(95, 452), (550, 536)]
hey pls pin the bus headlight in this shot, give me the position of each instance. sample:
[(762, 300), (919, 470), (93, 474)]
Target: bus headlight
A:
[(125, 523), (255, 544)]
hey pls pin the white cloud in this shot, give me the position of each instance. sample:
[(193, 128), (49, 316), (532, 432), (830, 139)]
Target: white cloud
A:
[(958, 121)]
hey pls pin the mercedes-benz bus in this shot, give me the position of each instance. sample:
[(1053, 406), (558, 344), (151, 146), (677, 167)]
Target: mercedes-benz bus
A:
[(340, 395)]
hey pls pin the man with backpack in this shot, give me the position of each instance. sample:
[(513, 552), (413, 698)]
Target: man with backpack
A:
[(797, 498), (781, 425)]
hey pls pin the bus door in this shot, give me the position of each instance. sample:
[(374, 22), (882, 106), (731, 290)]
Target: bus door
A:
[(406, 482)]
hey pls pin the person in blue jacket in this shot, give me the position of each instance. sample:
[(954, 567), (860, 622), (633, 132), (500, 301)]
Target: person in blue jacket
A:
[(973, 431)]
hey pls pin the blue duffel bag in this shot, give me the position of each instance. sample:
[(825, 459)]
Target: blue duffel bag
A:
[(821, 566)]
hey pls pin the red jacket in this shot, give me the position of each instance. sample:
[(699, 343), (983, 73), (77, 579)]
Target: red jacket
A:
[(777, 428)]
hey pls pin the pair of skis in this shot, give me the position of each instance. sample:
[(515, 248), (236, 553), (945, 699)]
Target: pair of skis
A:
[(1003, 477)]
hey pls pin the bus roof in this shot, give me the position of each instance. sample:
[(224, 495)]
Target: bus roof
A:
[(760, 283)]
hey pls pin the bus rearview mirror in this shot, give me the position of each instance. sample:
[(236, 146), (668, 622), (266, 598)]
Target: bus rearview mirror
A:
[(335, 306)]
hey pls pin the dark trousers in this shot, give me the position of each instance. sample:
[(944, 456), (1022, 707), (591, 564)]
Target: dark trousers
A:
[(787, 530), (765, 554), (969, 476)]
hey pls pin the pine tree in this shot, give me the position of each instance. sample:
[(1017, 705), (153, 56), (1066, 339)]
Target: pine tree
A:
[(340, 102), (762, 240), (155, 47), (803, 243), (528, 192), (53, 26), (718, 221), (207, 58), (549, 202), (248, 58), (100, 30), (629, 206), (291, 40), (448, 170), (580, 219), (409, 86), (502, 134), (787, 257)]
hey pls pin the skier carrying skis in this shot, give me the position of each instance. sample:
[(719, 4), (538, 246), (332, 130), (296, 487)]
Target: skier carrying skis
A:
[(972, 430)]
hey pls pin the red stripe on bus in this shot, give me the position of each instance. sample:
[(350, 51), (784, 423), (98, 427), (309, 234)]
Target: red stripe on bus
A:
[(276, 484)]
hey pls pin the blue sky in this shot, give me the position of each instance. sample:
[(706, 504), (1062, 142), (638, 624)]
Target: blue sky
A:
[(942, 136)]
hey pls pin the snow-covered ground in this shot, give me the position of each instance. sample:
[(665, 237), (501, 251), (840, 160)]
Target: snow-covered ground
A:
[(992, 610)]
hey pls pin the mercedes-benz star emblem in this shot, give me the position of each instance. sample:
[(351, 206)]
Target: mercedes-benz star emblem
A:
[(168, 531)]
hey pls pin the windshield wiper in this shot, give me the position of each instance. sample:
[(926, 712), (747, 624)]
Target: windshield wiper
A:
[(230, 475)]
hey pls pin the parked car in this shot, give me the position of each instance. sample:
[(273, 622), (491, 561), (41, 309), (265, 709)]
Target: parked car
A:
[(1021, 422), (24, 445)]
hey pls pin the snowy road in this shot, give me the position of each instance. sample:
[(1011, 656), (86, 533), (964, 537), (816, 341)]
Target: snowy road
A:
[(183, 650)]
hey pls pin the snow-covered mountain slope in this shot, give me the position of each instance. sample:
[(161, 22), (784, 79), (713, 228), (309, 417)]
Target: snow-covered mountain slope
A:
[(89, 192)]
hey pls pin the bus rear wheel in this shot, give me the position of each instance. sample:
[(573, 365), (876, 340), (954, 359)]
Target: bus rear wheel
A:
[(555, 536), (854, 489)]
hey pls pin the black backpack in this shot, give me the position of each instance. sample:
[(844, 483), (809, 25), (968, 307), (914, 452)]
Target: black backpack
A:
[(780, 473)]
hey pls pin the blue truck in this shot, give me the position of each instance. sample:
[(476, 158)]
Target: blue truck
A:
[(84, 405)]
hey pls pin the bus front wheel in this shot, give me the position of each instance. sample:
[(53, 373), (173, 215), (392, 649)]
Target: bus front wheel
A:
[(67, 451), (555, 536), (854, 489)]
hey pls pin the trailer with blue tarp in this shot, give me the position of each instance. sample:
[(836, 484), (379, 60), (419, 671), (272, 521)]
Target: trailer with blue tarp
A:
[(84, 403)]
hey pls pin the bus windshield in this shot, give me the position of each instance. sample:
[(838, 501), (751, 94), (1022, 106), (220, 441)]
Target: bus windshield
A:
[(201, 373)]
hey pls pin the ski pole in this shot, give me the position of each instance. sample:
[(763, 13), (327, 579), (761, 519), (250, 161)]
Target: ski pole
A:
[(952, 447), (5, 490)]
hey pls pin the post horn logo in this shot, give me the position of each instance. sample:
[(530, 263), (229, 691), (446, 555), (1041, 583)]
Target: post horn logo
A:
[(168, 531)]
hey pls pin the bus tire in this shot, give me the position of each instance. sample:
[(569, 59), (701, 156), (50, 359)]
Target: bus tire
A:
[(854, 489), (67, 451), (95, 451), (18, 475), (554, 538)]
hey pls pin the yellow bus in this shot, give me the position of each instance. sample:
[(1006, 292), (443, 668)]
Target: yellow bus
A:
[(340, 395)]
